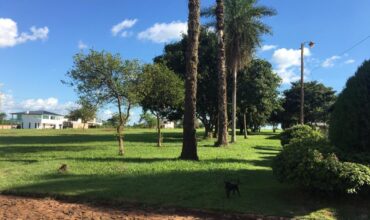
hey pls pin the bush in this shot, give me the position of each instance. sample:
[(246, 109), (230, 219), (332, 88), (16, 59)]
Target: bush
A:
[(299, 132), (349, 125), (309, 163)]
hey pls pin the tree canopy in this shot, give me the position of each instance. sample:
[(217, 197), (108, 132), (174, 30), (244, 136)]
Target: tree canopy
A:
[(103, 78), (2, 117), (162, 92), (258, 92), (350, 120), (319, 100), (86, 112)]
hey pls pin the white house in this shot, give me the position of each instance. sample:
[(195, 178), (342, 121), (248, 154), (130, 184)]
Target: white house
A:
[(168, 124), (80, 124), (38, 120)]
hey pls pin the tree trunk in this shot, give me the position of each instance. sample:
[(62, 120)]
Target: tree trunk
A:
[(121, 151), (222, 96), (233, 121), (159, 143), (83, 126), (245, 125), (215, 132), (189, 144), (207, 131)]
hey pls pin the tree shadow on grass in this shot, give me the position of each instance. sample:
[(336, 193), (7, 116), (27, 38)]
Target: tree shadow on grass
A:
[(39, 149), (265, 162), (26, 161), (145, 137), (260, 192), (274, 137), (267, 148)]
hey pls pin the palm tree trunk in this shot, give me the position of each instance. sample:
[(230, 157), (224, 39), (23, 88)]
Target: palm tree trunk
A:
[(222, 96), (189, 144), (159, 143), (233, 120)]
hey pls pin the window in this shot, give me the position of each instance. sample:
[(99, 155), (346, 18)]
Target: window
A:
[(45, 116)]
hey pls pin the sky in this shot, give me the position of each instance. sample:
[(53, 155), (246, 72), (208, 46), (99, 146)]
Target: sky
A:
[(39, 38)]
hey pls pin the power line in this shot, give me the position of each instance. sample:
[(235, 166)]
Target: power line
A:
[(346, 50), (355, 45)]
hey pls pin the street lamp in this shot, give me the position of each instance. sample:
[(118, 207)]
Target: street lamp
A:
[(310, 44)]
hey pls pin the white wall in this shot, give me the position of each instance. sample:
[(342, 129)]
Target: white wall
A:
[(49, 123)]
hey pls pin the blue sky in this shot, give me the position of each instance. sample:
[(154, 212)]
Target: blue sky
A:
[(34, 61)]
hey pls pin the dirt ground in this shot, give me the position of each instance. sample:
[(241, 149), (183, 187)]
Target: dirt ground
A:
[(14, 207)]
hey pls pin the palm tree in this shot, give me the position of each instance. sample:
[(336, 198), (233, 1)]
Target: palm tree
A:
[(189, 144), (244, 29), (222, 93)]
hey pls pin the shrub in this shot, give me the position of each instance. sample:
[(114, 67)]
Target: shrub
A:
[(310, 163), (299, 132), (349, 126)]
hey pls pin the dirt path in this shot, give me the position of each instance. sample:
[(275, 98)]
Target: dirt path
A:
[(14, 207)]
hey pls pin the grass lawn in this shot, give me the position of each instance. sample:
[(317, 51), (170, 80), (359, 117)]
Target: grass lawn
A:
[(29, 160)]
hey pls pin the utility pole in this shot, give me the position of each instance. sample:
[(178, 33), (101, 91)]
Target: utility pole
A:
[(311, 44), (302, 85)]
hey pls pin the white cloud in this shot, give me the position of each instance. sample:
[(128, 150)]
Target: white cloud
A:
[(49, 104), (329, 62), (9, 36), (287, 62), (125, 24), (350, 61), (9, 104), (82, 45), (268, 47), (164, 32)]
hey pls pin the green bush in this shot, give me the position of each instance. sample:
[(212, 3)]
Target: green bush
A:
[(299, 132), (310, 163), (349, 126)]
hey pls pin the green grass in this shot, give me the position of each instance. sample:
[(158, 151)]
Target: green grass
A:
[(29, 160)]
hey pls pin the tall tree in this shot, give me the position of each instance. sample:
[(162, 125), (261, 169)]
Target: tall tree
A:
[(257, 94), (319, 100), (189, 144), (103, 78), (349, 128), (222, 92), (162, 93), (243, 31), (207, 82)]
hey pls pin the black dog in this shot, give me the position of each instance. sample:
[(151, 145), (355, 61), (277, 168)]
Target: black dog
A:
[(231, 187)]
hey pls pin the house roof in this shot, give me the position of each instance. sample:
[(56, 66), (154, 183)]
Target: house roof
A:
[(40, 112)]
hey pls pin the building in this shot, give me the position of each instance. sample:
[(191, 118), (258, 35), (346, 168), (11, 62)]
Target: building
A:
[(168, 124), (80, 124), (38, 120)]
